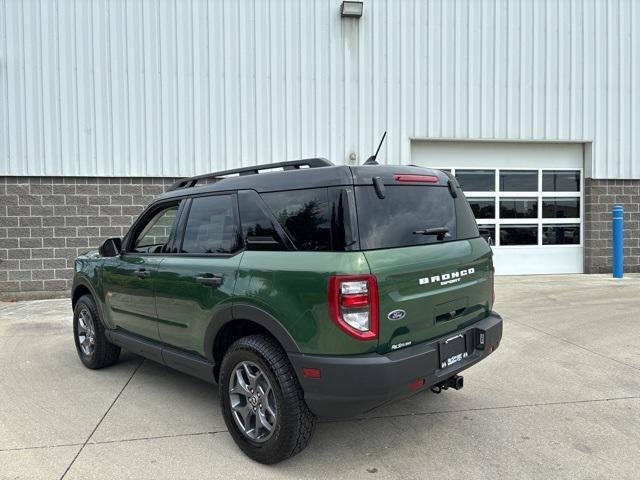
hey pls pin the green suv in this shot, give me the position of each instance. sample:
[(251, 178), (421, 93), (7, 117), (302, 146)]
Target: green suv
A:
[(303, 289)]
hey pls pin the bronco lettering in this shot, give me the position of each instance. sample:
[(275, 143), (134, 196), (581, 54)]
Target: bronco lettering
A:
[(447, 278)]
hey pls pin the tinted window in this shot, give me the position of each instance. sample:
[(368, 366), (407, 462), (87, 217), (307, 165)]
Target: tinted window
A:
[(154, 235), (561, 234), (211, 226), (483, 207), (519, 235), (476, 180), (518, 181), (561, 207), (258, 230), (561, 181), (518, 208), (304, 215), (392, 221)]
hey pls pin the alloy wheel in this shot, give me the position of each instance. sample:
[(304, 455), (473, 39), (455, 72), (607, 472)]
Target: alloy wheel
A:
[(86, 332), (253, 405)]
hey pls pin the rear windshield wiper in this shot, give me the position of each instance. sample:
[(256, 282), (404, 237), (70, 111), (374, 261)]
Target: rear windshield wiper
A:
[(441, 232)]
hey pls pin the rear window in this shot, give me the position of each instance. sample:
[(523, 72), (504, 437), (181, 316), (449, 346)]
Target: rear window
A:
[(406, 209)]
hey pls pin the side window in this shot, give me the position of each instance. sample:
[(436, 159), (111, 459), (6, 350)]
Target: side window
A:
[(211, 226), (304, 214), (155, 234), (258, 231)]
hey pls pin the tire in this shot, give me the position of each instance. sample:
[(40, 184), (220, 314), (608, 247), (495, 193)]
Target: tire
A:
[(96, 352), (293, 424)]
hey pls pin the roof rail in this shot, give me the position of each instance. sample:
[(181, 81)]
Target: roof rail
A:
[(253, 170)]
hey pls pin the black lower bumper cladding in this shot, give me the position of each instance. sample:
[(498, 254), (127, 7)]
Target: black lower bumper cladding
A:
[(351, 385)]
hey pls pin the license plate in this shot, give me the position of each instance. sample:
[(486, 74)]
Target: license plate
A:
[(453, 350)]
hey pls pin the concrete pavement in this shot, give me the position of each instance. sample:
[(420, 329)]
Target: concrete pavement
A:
[(560, 398)]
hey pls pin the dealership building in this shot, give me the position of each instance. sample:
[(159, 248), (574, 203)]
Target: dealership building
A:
[(533, 105)]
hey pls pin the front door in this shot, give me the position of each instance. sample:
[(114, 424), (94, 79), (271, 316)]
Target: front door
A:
[(198, 281), (129, 279)]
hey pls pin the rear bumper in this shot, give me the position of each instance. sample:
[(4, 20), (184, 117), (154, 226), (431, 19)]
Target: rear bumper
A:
[(350, 385)]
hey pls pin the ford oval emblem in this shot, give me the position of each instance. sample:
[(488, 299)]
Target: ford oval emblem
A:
[(396, 315)]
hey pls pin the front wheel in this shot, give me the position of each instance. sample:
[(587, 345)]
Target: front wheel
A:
[(262, 402), (92, 345)]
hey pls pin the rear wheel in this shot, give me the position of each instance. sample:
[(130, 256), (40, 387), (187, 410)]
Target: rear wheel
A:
[(262, 402), (92, 345)]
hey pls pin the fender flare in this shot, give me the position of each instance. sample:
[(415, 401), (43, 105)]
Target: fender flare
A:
[(242, 311), (80, 280)]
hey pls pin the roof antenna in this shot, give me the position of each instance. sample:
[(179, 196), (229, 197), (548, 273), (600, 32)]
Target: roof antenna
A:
[(372, 159)]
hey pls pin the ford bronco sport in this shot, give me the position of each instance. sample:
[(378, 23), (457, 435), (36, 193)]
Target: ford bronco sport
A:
[(316, 290)]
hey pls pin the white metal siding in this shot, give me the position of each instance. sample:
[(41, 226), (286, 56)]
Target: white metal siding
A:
[(112, 87)]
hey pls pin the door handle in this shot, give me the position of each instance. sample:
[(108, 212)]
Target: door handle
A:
[(142, 273), (209, 279)]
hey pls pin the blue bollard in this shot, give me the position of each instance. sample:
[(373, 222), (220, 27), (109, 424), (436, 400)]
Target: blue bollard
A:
[(618, 240)]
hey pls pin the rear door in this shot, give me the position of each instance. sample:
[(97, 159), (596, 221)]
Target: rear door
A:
[(197, 282), (433, 271)]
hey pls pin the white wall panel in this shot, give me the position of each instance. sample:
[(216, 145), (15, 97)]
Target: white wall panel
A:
[(164, 88)]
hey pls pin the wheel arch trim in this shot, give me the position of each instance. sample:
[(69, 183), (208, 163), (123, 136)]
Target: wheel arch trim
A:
[(243, 311), (81, 281)]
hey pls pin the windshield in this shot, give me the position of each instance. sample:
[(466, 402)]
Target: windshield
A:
[(408, 215)]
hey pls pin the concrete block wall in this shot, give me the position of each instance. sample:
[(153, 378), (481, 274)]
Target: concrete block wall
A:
[(45, 222), (599, 198)]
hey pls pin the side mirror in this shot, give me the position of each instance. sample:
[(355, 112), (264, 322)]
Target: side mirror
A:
[(111, 247)]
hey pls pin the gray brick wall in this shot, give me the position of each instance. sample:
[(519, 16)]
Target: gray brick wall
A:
[(600, 197), (45, 222)]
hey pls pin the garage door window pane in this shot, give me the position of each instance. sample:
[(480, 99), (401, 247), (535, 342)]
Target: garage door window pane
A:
[(561, 181), (561, 207), (519, 235), (561, 234), (518, 208), (518, 181), (476, 180), (483, 207), (488, 232)]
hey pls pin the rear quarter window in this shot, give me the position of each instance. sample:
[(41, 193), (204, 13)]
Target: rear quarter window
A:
[(391, 221), (304, 215)]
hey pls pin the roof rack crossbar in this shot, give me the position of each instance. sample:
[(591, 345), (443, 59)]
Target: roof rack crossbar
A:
[(252, 170)]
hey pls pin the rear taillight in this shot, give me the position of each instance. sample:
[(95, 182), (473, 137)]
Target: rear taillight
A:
[(353, 304)]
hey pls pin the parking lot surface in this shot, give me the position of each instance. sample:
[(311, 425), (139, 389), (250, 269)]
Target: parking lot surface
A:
[(560, 398)]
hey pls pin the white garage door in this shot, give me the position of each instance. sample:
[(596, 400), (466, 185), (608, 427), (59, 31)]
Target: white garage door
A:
[(527, 199)]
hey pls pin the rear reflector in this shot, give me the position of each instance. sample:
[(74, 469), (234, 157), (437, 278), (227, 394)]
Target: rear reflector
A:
[(416, 384), (416, 178), (311, 372)]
